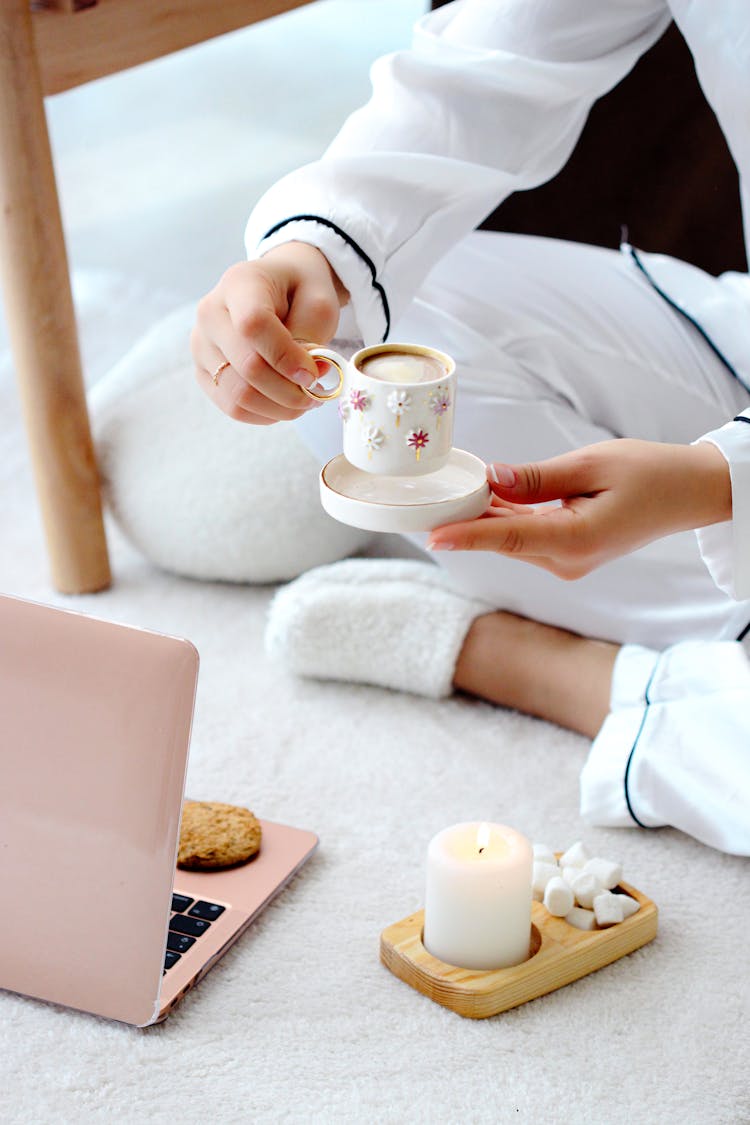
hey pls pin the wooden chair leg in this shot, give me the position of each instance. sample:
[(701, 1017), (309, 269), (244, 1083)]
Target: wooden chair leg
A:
[(41, 321)]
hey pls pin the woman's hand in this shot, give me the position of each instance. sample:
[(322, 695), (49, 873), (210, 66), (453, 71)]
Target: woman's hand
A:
[(252, 322), (615, 497)]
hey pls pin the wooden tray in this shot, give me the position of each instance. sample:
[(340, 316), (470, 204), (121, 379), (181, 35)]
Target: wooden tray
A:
[(559, 954)]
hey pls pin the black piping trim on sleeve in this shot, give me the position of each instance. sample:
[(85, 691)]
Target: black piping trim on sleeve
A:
[(354, 246), (665, 297), (744, 632), (635, 744)]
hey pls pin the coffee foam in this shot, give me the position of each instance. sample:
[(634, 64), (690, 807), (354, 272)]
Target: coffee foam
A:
[(403, 367)]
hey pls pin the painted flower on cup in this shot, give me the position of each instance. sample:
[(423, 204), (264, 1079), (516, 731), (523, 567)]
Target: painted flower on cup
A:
[(398, 403), (372, 439), (344, 409), (359, 401), (417, 440), (440, 401)]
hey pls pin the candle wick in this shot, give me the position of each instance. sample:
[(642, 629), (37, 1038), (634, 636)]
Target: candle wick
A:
[(481, 850)]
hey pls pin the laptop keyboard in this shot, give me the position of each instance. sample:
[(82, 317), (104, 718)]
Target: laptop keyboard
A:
[(190, 919)]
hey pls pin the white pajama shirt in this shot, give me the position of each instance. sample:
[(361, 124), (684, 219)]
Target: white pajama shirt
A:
[(559, 345)]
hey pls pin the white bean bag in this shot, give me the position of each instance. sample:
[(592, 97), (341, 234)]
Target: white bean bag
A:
[(197, 493)]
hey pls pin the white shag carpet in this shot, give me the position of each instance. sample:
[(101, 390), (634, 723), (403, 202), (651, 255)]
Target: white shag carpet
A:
[(300, 1022)]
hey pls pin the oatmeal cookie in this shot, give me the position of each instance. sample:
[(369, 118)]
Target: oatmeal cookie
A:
[(215, 835)]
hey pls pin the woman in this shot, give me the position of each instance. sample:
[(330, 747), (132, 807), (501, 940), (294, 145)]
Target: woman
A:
[(559, 346)]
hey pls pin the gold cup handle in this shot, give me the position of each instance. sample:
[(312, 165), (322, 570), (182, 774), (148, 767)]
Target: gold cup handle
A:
[(336, 361)]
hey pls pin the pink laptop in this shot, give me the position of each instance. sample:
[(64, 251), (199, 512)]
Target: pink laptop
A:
[(95, 725)]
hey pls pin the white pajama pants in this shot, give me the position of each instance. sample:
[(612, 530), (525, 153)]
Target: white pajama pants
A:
[(559, 345)]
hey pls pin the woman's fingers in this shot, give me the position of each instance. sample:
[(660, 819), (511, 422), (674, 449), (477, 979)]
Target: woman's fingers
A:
[(314, 312), (498, 505), (227, 338), (240, 322), (571, 474), (258, 303), (551, 534), (254, 320), (259, 390)]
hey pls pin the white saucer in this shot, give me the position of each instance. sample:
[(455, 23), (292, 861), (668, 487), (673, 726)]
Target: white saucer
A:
[(458, 491)]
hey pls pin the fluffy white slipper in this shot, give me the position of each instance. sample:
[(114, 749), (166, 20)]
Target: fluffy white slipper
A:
[(392, 622)]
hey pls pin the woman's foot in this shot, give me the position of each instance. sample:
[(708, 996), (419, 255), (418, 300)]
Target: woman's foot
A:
[(538, 669)]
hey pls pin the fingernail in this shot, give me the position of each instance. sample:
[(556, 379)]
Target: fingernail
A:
[(442, 545), (302, 378), (502, 474)]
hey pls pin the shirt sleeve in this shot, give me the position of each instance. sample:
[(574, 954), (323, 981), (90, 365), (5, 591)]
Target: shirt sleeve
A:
[(673, 749), (490, 99), (725, 547), (717, 35)]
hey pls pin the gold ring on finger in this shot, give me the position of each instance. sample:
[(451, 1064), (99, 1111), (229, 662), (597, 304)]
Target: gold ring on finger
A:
[(222, 367)]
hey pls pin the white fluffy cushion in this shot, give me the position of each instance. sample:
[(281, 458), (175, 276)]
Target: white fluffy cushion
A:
[(196, 492)]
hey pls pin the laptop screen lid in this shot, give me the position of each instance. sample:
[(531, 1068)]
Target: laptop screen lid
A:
[(94, 733)]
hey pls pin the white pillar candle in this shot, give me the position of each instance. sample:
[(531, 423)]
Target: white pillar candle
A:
[(478, 898)]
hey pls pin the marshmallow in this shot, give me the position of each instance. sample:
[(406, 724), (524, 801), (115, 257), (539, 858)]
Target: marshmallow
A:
[(608, 909), (629, 905), (609, 874), (581, 919), (575, 856), (586, 887), (572, 886), (541, 873), (558, 897), (543, 854)]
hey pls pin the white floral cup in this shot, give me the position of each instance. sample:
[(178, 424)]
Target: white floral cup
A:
[(396, 403)]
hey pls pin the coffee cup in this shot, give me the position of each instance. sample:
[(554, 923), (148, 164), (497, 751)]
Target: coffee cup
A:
[(396, 403)]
